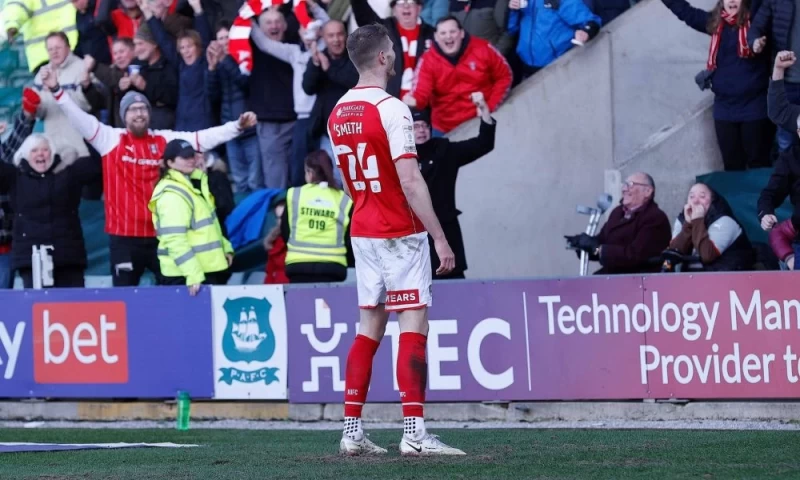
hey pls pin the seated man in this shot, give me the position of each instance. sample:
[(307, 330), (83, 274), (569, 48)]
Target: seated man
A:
[(636, 231)]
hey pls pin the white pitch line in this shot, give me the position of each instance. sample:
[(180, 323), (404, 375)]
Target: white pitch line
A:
[(332, 426)]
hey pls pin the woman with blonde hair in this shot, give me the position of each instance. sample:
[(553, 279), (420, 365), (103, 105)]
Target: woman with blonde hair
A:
[(44, 190)]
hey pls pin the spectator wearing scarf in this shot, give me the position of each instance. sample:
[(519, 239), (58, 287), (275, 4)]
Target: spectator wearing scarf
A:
[(739, 79)]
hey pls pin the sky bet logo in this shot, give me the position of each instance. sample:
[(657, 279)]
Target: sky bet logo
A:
[(83, 342)]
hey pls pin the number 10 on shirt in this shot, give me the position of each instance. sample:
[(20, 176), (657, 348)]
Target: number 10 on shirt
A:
[(368, 166)]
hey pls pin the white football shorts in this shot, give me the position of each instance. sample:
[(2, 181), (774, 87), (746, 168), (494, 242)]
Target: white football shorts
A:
[(393, 271)]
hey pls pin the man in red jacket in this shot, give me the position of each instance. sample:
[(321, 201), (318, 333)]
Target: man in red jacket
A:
[(131, 168), (457, 67)]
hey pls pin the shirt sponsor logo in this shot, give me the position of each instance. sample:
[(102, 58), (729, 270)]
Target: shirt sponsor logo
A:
[(350, 111), (141, 161), (402, 297), (83, 342)]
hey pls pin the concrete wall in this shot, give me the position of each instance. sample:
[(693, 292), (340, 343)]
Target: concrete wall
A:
[(596, 109)]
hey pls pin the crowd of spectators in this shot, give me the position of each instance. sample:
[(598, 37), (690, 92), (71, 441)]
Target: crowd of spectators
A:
[(254, 82), (116, 80)]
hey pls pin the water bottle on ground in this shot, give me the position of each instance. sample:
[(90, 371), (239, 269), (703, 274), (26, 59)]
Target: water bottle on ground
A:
[(184, 404)]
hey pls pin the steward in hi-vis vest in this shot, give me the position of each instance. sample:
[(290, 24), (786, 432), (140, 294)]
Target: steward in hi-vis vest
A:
[(191, 247), (316, 226)]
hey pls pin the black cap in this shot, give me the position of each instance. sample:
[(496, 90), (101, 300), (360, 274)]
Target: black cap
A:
[(178, 148), (421, 115)]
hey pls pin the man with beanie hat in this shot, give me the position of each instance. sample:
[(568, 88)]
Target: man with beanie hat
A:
[(154, 77), (131, 168), (439, 161)]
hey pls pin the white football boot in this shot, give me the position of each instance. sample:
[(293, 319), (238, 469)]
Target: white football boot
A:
[(429, 444), (364, 446)]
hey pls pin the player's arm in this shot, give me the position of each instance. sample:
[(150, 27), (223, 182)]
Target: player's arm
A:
[(418, 196), (396, 119)]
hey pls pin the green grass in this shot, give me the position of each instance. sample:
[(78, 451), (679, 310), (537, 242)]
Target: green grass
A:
[(492, 454)]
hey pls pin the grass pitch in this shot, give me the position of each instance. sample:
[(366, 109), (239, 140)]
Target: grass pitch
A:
[(492, 454)]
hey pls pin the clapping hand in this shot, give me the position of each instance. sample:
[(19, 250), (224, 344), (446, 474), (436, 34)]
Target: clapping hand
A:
[(49, 78)]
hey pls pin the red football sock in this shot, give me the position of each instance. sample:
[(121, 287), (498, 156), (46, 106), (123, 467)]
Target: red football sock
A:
[(357, 374), (412, 372)]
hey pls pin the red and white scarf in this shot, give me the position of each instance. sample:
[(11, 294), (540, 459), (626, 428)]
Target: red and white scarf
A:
[(743, 50), (239, 35)]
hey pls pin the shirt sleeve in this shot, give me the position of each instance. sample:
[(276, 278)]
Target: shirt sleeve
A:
[(399, 126), (723, 232)]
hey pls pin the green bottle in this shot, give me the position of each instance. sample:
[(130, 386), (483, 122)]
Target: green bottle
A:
[(184, 403)]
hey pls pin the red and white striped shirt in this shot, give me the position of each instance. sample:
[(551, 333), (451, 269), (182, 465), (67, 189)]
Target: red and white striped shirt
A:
[(131, 165)]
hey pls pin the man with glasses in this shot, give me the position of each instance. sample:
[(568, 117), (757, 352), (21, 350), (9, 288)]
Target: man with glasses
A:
[(636, 231), (411, 37)]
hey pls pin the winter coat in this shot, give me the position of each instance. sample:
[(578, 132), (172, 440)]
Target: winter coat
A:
[(329, 86), (446, 83), (193, 111), (740, 85), (45, 207), (546, 28), (774, 21), (784, 182), (271, 88), (628, 244), (161, 90), (486, 19), (736, 256), (229, 86), (56, 125), (439, 161)]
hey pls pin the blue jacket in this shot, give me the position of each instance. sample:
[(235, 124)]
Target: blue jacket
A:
[(229, 86), (545, 33), (740, 85), (245, 224), (193, 112)]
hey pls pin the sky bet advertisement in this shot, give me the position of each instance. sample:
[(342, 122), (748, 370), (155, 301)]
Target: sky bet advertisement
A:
[(127, 342)]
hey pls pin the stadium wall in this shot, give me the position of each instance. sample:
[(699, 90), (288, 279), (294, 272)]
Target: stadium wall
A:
[(626, 101)]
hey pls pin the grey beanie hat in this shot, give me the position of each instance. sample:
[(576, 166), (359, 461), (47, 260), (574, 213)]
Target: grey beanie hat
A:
[(129, 99)]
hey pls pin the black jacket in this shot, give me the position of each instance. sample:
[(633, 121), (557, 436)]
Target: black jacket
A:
[(271, 88), (365, 15), (220, 188), (773, 20), (92, 40), (45, 209), (439, 161), (784, 182), (162, 92), (329, 87)]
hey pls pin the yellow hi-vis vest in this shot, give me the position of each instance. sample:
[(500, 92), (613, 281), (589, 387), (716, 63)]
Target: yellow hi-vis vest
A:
[(318, 218), (35, 19), (190, 240)]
